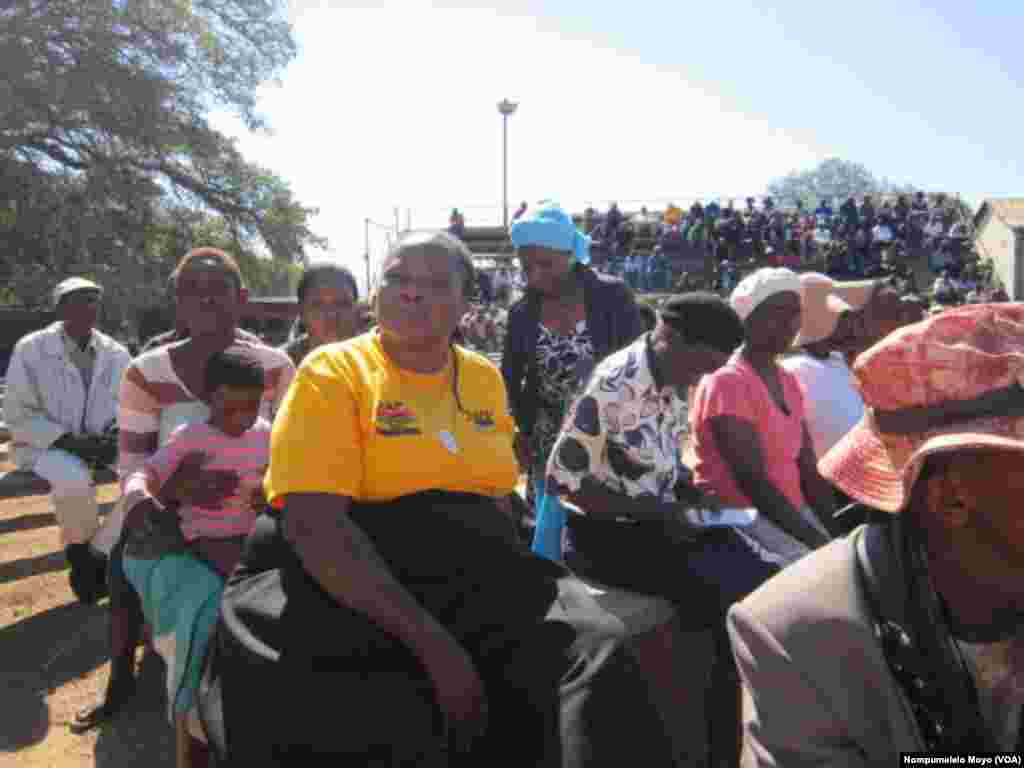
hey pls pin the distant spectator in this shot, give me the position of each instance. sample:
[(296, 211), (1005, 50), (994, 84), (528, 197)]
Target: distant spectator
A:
[(519, 211), (850, 214), (486, 287), (614, 218), (867, 212), (457, 224)]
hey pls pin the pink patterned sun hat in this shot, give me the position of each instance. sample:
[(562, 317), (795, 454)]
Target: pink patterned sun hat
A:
[(952, 382)]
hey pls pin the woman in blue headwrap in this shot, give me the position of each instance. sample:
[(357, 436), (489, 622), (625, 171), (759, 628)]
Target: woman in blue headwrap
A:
[(570, 319)]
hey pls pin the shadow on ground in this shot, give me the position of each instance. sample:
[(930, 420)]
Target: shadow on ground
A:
[(26, 567), (142, 734), (43, 652), (27, 522)]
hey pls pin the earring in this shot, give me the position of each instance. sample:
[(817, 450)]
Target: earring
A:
[(957, 513)]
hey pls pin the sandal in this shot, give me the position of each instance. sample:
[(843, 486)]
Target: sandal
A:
[(120, 690)]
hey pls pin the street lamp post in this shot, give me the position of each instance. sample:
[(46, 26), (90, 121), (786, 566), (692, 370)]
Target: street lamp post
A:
[(506, 108)]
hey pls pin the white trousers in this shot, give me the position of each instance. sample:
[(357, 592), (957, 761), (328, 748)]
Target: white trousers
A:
[(74, 502)]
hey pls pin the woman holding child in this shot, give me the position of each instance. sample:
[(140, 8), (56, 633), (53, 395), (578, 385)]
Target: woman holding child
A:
[(387, 581), (163, 390)]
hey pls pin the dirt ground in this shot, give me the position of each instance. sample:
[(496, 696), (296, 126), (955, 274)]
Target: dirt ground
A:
[(54, 658)]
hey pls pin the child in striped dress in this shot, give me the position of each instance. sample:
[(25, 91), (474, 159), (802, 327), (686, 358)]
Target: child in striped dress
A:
[(232, 448), (197, 524)]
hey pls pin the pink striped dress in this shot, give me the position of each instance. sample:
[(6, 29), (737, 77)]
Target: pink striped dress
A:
[(247, 456), (154, 402)]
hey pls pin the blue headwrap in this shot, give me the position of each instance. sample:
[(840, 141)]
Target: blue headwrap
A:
[(548, 226)]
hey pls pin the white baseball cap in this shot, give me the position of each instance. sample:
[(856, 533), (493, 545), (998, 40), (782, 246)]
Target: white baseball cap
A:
[(71, 285)]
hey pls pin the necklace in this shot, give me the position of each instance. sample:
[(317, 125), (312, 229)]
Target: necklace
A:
[(447, 436)]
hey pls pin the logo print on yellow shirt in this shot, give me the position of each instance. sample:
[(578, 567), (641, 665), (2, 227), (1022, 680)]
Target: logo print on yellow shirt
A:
[(394, 418), (482, 419)]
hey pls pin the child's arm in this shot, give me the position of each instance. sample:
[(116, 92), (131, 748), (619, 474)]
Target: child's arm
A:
[(150, 480)]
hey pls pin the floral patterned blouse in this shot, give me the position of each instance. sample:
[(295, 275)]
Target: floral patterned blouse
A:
[(626, 431)]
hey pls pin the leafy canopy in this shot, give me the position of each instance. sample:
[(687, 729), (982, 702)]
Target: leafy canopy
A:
[(105, 137)]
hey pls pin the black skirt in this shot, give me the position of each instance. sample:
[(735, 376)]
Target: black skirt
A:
[(297, 679)]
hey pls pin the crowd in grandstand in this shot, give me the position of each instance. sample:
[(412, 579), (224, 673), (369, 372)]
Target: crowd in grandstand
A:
[(857, 239)]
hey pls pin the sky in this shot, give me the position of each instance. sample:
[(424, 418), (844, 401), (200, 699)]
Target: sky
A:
[(396, 106)]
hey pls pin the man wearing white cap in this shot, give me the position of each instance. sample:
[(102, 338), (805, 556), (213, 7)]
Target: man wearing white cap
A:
[(61, 408)]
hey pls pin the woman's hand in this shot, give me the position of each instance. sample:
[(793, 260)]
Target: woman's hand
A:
[(459, 690)]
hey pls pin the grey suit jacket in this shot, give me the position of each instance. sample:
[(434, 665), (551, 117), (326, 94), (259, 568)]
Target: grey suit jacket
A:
[(818, 691)]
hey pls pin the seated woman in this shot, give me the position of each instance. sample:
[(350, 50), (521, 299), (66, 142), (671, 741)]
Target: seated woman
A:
[(329, 309), (751, 442), (161, 390), (387, 581)]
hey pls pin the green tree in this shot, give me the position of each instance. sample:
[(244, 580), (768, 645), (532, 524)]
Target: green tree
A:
[(103, 122), (833, 180)]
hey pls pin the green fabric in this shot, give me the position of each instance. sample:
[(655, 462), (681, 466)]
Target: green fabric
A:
[(181, 602)]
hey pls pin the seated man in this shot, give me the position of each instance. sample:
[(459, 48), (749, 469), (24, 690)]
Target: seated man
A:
[(905, 635), (618, 462), (61, 408)]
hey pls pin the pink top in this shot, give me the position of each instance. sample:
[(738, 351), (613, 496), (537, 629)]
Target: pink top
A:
[(737, 390), (246, 455)]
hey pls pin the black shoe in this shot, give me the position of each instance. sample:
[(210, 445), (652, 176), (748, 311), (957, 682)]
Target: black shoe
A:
[(88, 576)]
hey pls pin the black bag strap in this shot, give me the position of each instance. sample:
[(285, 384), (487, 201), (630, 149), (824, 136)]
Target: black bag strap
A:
[(897, 646), (877, 553)]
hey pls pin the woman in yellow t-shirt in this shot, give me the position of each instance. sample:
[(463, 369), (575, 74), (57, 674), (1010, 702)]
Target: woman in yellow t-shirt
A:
[(409, 602)]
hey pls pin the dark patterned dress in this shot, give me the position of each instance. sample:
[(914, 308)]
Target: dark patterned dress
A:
[(562, 361)]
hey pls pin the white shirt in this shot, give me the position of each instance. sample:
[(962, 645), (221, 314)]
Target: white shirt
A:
[(832, 403)]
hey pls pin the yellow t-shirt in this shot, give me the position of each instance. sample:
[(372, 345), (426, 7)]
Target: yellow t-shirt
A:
[(355, 424)]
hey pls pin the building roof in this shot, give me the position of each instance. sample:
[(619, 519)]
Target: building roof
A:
[(1009, 210)]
